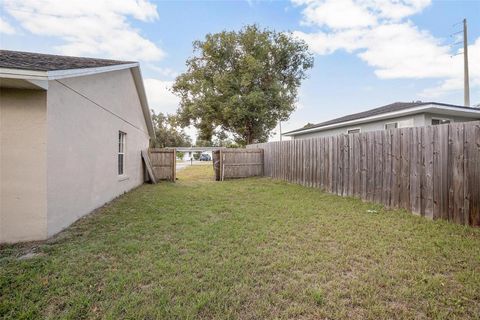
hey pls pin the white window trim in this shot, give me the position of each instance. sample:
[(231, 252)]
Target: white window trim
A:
[(122, 176), (387, 123), (440, 119), (349, 129)]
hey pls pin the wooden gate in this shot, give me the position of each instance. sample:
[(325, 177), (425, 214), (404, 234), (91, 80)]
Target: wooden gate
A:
[(163, 163), (237, 163)]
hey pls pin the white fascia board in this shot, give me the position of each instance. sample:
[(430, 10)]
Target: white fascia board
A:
[(449, 111), (23, 74), (137, 77), (60, 74), (433, 108)]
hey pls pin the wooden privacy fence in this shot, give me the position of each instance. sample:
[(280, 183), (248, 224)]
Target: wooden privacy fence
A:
[(237, 163), (433, 171), (163, 163)]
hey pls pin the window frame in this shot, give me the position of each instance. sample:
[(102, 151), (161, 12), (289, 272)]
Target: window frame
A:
[(352, 129), (440, 119), (395, 123), (122, 146)]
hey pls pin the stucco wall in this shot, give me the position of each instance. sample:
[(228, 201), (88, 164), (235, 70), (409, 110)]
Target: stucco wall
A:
[(84, 117), (409, 121), (23, 165), (430, 116)]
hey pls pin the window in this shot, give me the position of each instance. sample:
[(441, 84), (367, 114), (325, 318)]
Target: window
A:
[(440, 121), (121, 152), (353, 131), (391, 125)]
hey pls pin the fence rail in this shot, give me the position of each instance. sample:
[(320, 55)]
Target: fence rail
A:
[(237, 163), (433, 171)]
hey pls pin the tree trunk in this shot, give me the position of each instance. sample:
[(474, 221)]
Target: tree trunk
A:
[(248, 137), (248, 134)]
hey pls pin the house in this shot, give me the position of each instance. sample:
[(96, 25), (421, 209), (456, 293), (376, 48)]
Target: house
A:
[(395, 115), (71, 134), (188, 152)]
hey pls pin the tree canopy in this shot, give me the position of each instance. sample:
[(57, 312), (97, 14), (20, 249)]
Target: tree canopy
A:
[(242, 83), (168, 133), (216, 142)]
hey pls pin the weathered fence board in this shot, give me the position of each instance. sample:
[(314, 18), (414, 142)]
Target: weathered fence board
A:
[(163, 163), (472, 173), (237, 163), (428, 190), (148, 166), (433, 171)]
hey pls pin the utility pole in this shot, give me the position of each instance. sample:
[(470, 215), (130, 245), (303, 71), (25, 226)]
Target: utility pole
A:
[(466, 85)]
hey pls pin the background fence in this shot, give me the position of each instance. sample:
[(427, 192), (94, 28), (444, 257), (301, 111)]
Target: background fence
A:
[(163, 163), (433, 171), (237, 163)]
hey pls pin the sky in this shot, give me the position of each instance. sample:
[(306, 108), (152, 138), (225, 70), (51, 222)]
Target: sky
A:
[(368, 53)]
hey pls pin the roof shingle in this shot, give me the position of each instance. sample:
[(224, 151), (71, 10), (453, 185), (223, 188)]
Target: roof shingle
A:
[(49, 62)]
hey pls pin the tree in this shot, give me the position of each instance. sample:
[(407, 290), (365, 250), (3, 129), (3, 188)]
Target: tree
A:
[(196, 155), (216, 142), (242, 83), (203, 143), (168, 133)]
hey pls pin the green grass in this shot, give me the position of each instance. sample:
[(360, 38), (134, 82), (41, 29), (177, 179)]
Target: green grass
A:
[(244, 249)]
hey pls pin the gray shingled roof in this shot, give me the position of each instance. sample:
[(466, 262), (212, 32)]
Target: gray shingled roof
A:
[(49, 62), (397, 106)]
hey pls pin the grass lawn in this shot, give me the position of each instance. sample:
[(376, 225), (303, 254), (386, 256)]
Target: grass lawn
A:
[(244, 249)]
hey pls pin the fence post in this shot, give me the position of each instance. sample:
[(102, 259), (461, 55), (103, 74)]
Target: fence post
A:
[(263, 162), (433, 171), (221, 165), (174, 167)]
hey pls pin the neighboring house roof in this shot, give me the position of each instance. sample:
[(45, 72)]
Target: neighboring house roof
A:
[(38, 69), (389, 111)]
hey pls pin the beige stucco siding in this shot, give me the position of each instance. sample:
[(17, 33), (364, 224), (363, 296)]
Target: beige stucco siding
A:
[(85, 115), (23, 165)]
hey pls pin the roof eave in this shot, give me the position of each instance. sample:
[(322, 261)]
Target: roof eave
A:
[(60, 74), (137, 77)]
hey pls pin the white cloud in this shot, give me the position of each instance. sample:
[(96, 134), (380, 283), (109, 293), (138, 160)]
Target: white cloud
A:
[(385, 39), (397, 9), (92, 28), (163, 72), (341, 14), (5, 27), (160, 98), (337, 14), (455, 82)]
